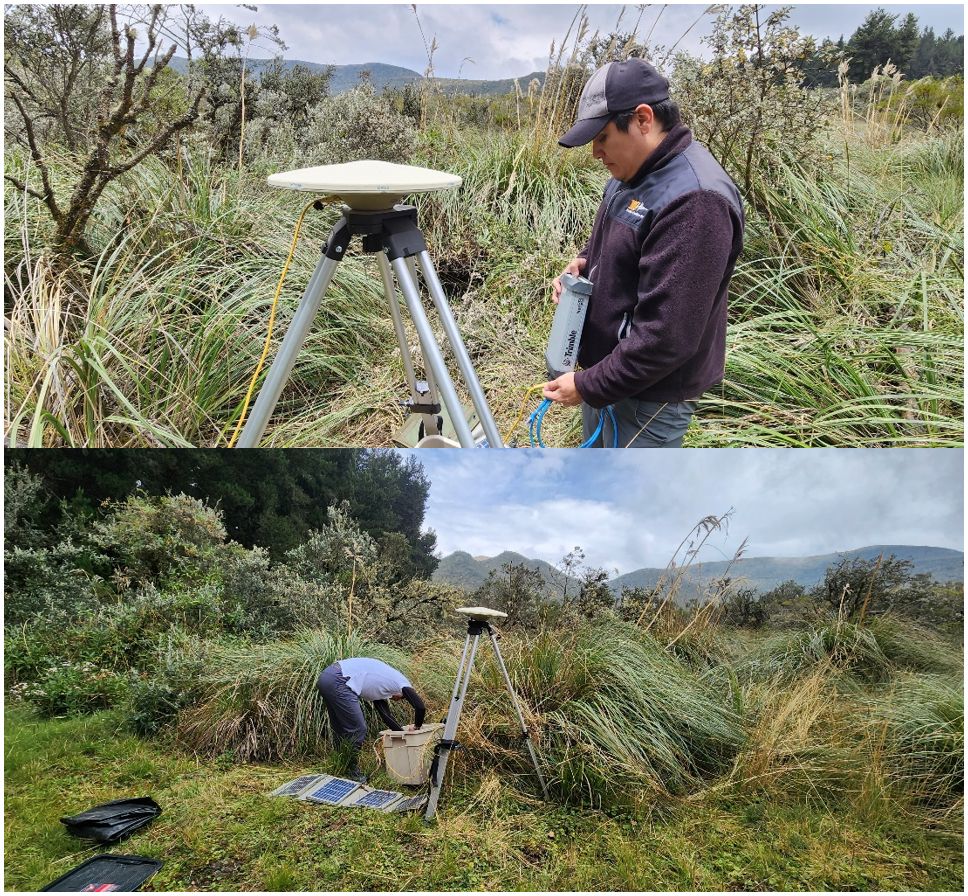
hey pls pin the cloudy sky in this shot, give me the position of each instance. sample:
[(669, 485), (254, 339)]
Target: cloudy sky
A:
[(490, 41), (629, 509)]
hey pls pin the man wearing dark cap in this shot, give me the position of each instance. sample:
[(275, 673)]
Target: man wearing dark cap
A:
[(662, 250)]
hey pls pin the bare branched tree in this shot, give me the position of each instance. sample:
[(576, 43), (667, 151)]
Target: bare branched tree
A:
[(75, 77)]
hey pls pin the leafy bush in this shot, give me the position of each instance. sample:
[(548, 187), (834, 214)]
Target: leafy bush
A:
[(357, 125), (252, 600), (936, 101), (46, 573), (748, 104), (157, 695), (154, 539), (48, 582), (73, 688)]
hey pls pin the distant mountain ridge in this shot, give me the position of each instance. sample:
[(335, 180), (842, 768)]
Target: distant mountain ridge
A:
[(762, 573), (469, 573), (383, 76)]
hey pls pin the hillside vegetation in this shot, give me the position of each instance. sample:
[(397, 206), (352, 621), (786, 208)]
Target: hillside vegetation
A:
[(138, 294), (710, 747)]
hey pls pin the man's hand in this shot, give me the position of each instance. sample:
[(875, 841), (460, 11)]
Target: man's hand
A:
[(563, 390), (574, 267)]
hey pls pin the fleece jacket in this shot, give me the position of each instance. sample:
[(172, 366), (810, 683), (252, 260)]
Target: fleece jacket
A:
[(661, 254)]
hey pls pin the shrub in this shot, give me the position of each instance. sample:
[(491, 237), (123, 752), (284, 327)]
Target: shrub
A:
[(157, 696), (934, 101), (156, 539), (748, 104), (357, 125), (48, 582), (73, 688), (252, 600)]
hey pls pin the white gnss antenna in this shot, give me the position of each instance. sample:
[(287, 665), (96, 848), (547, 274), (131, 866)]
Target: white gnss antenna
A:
[(371, 191)]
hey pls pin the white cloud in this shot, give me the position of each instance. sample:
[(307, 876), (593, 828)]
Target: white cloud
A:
[(509, 40), (629, 509)]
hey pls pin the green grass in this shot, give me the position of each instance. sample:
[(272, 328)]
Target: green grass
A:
[(219, 831)]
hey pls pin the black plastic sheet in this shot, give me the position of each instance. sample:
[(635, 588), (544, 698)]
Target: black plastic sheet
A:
[(111, 822)]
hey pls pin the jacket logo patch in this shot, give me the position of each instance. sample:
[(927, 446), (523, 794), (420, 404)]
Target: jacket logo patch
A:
[(636, 210)]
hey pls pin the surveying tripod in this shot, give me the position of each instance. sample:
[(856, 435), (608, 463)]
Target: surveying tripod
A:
[(477, 624), (393, 237)]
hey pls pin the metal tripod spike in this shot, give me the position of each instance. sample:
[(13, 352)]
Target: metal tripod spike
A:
[(477, 623), (389, 231)]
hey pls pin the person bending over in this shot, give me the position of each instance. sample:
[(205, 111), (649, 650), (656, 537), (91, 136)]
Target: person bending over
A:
[(345, 683)]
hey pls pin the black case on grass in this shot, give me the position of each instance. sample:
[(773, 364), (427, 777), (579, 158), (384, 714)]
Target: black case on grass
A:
[(104, 874)]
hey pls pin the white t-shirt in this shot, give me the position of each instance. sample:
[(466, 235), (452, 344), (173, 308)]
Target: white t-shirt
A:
[(372, 679)]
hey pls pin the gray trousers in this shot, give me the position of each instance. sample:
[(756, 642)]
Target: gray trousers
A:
[(641, 424), (345, 713)]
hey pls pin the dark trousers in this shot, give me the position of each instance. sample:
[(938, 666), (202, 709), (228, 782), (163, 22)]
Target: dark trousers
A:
[(641, 424), (345, 713)]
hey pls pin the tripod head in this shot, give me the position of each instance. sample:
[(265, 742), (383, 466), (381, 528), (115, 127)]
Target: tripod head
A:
[(479, 618)]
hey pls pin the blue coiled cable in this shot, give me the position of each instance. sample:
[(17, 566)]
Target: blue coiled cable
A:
[(537, 416)]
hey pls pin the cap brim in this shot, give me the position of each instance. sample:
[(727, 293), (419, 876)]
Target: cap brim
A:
[(584, 131)]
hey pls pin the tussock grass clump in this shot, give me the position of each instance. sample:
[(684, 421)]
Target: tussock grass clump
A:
[(800, 740), (844, 647), (259, 702), (914, 648), (869, 652), (920, 724), (616, 717)]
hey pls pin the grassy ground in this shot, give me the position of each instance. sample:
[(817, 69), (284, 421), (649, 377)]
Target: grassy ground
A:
[(219, 831)]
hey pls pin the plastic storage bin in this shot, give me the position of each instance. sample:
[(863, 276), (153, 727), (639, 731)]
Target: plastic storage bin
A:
[(408, 754)]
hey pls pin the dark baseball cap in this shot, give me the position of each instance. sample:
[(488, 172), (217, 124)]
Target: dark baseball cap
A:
[(616, 87)]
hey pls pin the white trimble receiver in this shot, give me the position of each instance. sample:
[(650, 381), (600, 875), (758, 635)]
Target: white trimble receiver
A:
[(561, 356)]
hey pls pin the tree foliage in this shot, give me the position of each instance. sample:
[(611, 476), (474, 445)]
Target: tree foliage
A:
[(268, 498), (749, 104), (516, 590), (881, 39)]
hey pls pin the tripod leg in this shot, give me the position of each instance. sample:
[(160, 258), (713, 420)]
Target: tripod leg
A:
[(391, 294), (517, 709), (460, 351), (450, 728), (434, 359), (430, 419), (282, 366)]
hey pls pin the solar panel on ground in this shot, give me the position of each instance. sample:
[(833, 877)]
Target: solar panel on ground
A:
[(298, 784), (333, 791), (376, 799), (414, 804)]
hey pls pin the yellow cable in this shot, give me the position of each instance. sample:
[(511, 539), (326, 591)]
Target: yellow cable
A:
[(529, 391), (272, 317)]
